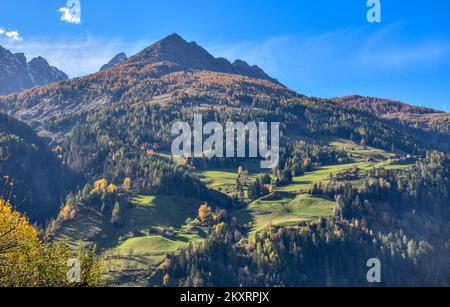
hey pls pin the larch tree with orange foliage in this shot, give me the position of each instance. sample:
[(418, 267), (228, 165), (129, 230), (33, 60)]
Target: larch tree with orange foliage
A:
[(204, 213)]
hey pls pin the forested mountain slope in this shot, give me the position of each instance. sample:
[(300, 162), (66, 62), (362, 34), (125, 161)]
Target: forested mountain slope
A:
[(346, 185), (176, 76), (32, 176), (419, 117)]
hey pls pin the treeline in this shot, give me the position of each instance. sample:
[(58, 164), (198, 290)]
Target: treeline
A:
[(300, 157), (32, 176), (27, 261), (326, 253), (389, 195), (152, 175), (398, 217), (124, 128)]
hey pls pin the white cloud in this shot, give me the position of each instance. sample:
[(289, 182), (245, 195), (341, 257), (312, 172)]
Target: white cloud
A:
[(14, 35), (11, 35), (71, 13)]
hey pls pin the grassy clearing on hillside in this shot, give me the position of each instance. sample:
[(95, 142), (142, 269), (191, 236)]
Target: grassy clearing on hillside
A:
[(144, 253), (159, 213), (144, 243), (292, 205), (283, 209), (162, 211), (224, 180), (153, 244), (305, 183), (141, 248), (359, 152), (145, 212)]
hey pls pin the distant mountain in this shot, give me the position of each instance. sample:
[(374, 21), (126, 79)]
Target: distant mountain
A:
[(114, 127), (174, 65), (118, 59), (414, 116), (176, 77), (190, 56), (16, 74)]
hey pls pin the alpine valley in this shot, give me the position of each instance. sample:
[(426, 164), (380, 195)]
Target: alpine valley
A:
[(358, 177)]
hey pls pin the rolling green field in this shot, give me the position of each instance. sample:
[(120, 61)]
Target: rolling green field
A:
[(155, 213), (359, 152), (145, 212), (224, 180), (135, 247), (283, 209), (142, 243), (291, 204), (305, 183)]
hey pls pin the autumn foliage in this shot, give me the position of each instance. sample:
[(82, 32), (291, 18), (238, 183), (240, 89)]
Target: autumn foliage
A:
[(26, 261)]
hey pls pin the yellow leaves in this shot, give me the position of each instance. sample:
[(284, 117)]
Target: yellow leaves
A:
[(25, 261), (204, 212), (112, 188), (10, 219), (18, 243), (219, 227), (362, 132), (166, 264), (15, 230), (127, 183), (59, 152), (240, 170), (100, 186), (338, 232), (272, 256)]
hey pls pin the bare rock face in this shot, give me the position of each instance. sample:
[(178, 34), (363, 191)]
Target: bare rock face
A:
[(118, 59), (42, 73), (17, 75)]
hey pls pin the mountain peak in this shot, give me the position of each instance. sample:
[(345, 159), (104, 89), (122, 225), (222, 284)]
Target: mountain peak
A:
[(17, 75), (174, 38), (38, 60), (192, 57), (21, 58), (118, 59)]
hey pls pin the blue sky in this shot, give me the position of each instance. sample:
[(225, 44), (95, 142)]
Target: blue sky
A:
[(321, 48)]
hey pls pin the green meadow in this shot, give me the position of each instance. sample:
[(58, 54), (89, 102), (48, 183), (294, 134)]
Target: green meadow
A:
[(283, 209), (142, 244)]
